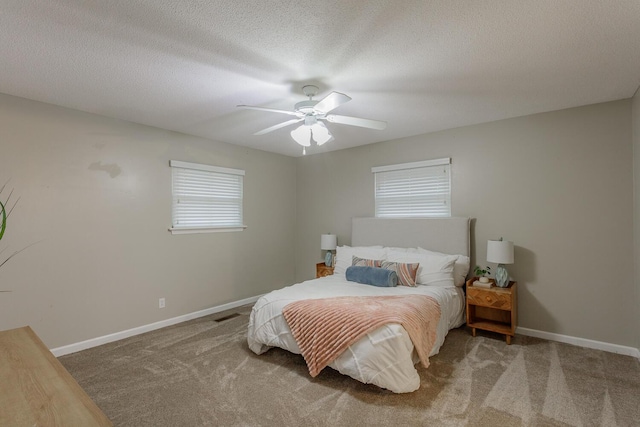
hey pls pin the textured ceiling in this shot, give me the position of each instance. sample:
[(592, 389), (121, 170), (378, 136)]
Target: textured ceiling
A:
[(420, 65)]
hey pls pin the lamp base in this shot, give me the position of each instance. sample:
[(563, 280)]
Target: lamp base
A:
[(502, 276), (328, 258)]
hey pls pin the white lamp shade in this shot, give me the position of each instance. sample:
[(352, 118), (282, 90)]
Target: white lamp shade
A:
[(500, 251), (320, 133), (328, 242), (302, 135)]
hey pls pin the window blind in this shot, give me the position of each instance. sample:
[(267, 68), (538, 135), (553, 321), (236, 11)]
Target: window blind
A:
[(418, 189), (206, 196)]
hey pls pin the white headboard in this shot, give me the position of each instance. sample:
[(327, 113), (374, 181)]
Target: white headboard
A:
[(447, 235)]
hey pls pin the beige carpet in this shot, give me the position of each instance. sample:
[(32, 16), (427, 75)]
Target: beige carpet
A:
[(201, 373)]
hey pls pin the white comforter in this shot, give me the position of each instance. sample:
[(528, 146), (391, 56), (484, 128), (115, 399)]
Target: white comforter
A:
[(384, 357)]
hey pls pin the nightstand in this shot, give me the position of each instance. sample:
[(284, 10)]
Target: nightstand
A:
[(493, 309), (322, 270)]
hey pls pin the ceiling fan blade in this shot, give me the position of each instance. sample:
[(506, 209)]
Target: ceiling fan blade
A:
[(357, 121), (273, 110), (278, 126), (331, 101)]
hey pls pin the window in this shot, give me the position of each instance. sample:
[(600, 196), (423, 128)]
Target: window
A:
[(419, 189), (206, 198)]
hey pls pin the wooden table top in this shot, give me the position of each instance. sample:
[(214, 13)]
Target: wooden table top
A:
[(36, 390)]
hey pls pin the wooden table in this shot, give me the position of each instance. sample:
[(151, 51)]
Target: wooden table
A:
[(493, 309), (36, 390)]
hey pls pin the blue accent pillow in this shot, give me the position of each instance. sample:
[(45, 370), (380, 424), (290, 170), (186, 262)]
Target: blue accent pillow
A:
[(372, 276)]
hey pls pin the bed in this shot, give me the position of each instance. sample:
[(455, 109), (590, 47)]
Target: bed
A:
[(385, 356)]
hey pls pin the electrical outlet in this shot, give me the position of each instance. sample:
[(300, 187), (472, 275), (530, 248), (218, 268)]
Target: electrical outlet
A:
[(161, 303)]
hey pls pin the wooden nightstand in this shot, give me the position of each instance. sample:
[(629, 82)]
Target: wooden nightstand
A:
[(322, 270), (493, 309)]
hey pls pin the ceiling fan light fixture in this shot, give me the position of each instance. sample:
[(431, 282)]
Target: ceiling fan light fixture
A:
[(320, 133), (302, 135)]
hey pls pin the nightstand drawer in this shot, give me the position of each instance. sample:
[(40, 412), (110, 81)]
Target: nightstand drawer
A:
[(489, 298)]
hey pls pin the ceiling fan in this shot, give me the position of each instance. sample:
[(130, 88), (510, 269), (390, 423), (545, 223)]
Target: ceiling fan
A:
[(312, 113)]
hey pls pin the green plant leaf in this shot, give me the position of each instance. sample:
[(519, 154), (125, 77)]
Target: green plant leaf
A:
[(4, 221)]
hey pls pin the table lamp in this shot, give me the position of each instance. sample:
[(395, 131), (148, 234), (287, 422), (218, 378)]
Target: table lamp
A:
[(500, 252), (328, 242)]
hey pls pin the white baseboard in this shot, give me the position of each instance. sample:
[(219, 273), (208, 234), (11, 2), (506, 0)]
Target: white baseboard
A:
[(582, 342), (94, 342)]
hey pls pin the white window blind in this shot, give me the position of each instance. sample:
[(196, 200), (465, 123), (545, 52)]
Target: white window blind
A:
[(418, 189), (206, 198)]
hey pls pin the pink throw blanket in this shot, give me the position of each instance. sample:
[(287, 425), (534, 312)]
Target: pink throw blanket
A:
[(324, 328)]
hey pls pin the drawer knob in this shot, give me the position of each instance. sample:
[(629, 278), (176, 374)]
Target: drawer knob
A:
[(488, 299)]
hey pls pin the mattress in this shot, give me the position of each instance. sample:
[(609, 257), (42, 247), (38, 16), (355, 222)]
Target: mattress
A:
[(385, 357)]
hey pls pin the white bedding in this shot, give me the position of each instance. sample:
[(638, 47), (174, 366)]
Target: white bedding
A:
[(384, 357)]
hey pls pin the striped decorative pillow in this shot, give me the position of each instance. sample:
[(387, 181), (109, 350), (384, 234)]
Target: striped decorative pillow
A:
[(362, 262), (406, 272)]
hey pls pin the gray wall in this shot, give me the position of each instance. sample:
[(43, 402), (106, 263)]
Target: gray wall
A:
[(558, 184), (636, 208), (96, 201), (96, 197)]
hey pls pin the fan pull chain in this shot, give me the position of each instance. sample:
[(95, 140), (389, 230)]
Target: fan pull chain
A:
[(304, 151)]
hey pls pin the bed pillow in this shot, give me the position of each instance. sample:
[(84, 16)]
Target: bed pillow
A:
[(345, 254), (372, 276), (406, 272), (394, 249), (363, 262), (460, 267), (434, 270)]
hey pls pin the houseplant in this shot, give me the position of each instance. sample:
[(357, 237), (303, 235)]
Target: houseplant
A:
[(482, 272), (4, 214)]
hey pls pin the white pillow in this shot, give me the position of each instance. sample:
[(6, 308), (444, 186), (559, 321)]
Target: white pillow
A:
[(345, 254), (460, 267), (405, 250), (434, 270)]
